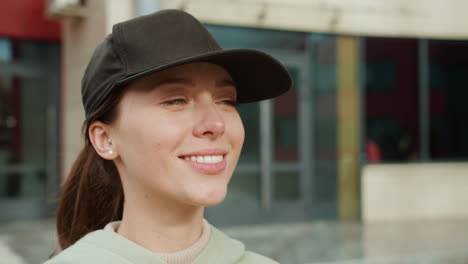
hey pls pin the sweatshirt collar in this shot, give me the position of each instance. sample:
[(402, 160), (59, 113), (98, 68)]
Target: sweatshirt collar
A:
[(220, 248)]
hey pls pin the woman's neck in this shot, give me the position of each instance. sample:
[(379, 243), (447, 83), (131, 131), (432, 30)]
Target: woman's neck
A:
[(161, 227)]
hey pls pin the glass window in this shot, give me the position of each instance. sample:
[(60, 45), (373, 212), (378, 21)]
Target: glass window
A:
[(28, 124), (245, 183), (287, 185), (5, 50), (324, 82), (285, 124), (391, 96), (448, 68), (286, 143)]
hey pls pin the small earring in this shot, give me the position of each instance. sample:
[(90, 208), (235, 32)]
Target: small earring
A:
[(110, 153), (109, 141)]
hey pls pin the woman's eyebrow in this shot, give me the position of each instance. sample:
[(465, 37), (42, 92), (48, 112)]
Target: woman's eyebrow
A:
[(174, 80)]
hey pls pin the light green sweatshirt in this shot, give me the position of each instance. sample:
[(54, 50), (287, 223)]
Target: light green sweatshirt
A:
[(106, 247)]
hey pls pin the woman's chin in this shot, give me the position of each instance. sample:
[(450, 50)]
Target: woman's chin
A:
[(209, 198)]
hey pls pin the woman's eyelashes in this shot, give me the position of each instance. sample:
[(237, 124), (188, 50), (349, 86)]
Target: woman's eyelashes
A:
[(176, 101), (183, 101), (230, 102)]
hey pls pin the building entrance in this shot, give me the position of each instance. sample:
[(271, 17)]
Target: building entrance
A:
[(28, 128)]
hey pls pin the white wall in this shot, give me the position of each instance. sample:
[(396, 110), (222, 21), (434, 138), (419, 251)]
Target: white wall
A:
[(414, 192)]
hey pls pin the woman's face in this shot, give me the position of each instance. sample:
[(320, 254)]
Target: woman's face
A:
[(178, 135)]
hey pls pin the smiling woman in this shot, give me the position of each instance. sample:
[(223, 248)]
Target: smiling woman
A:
[(162, 140), (158, 128)]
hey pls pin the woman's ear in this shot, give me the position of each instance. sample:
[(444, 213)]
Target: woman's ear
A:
[(99, 134)]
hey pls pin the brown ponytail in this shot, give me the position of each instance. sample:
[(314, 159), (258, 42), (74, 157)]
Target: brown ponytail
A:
[(92, 194)]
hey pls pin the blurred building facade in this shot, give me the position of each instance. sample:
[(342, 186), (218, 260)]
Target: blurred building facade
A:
[(379, 84), (30, 76)]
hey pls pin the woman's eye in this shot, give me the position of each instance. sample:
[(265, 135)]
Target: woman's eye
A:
[(230, 102), (177, 101)]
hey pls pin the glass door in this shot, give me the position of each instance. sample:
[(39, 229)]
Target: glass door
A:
[(28, 129), (286, 143)]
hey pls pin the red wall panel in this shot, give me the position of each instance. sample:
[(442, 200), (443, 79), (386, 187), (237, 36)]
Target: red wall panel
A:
[(26, 19)]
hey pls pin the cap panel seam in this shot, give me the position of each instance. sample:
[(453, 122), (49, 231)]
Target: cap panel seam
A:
[(121, 53), (107, 90)]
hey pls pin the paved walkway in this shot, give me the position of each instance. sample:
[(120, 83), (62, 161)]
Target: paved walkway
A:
[(29, 242), (8, 256)]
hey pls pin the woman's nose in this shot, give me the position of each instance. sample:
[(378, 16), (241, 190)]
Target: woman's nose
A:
[(210, 122)]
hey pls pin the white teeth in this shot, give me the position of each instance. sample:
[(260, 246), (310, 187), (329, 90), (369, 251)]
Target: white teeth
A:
[(206, 159)]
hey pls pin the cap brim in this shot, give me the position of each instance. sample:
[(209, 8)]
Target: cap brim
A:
[(258, 76)]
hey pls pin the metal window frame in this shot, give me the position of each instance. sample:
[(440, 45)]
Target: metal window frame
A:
[(268, 166), (424, 98)]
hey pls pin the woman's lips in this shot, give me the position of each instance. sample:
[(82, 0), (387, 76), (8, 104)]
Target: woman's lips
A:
[(208, 164)]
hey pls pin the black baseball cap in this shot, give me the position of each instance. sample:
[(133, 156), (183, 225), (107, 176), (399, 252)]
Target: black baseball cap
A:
[(168, 38)]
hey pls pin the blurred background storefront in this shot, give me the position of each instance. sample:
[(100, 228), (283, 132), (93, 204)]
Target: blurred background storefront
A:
[(29, 110), (375, 86)]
